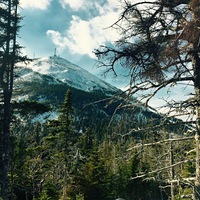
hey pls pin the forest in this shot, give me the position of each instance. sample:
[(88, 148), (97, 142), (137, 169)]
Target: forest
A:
[(110, 159)]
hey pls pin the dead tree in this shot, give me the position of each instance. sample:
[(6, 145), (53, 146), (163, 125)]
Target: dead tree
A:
[(160, 48)]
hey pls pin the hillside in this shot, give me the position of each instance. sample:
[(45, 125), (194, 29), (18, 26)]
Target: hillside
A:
[(46, 80), (85, 147)]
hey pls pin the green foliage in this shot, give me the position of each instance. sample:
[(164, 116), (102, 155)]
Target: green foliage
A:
[(94, 179), (57, 161), (49, 192), (26, 107), (188, 170)]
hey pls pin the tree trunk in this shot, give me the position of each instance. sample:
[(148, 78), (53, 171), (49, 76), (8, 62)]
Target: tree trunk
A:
[(5, 145), (196, 67), (197, 139), (171, 157), (6, 84), (195, 47)]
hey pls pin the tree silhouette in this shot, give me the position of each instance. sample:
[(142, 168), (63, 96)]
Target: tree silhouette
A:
[(9, 55), (159, 46)]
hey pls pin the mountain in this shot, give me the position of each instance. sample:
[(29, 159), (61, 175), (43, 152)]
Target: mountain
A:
[(63, 71), (46, 81)]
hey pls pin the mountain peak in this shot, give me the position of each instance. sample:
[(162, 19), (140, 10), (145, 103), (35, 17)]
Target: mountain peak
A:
[(64, 71)]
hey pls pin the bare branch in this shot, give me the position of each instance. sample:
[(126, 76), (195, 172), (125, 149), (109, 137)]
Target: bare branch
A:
[(160, 142), (161, 169)]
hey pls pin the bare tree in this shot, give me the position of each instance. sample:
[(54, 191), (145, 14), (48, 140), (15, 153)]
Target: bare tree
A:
[(160, 48)]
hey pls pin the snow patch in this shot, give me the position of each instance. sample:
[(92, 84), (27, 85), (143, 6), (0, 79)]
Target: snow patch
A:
[(64, 71), (42, 118)]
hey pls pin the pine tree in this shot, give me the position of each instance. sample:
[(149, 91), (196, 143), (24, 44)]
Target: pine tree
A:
[(61, 139), (65, 120), (9, 55), (94, 178)]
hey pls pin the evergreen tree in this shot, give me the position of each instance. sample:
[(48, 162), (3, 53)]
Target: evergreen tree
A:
[(94, 178), (65, 120), (61, 139), (9, 55)]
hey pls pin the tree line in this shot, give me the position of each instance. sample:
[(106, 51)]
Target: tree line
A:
[(57, 160)]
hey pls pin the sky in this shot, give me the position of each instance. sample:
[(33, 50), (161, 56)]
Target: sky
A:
[(74, 27)]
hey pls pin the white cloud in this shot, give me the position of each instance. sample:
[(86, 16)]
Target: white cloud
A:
[(83, 36), (109, 6), (58, 39), (74, 4), (90, 4), (39, 4)]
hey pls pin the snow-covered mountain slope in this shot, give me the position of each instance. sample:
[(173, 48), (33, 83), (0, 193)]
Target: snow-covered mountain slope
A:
[(63, 71), (46, 81)]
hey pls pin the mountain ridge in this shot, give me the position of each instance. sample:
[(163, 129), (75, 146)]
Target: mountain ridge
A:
[(63, 71), (46, 80)]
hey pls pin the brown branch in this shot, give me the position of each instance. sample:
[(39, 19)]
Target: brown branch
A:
[(163, 168), (160, 142), (168, 82), (182, 179)]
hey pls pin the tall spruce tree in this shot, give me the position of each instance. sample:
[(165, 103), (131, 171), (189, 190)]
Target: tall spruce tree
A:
[(9, 55), (66, 140), (62, 137), (159, 46), (66, 115)]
